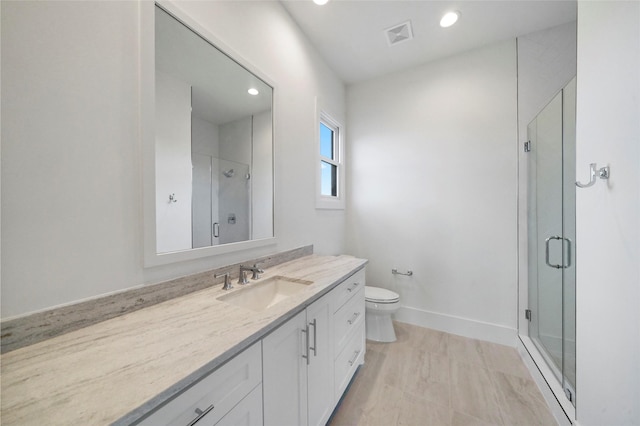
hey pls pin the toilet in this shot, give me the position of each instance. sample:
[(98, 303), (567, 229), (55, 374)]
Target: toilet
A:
[(380, 303)]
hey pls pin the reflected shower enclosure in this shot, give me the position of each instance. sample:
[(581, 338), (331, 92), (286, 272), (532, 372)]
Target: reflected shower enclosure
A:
[(221, 193)]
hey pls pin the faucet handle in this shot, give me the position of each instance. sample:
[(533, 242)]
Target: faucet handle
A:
[(227, 282), (256, 271)]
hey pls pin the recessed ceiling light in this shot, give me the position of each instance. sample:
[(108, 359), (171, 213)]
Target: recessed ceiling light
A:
[(320, 2), (449, 19), (253, 91)]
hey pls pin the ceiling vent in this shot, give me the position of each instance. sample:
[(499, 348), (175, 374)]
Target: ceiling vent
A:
[(399, 33)]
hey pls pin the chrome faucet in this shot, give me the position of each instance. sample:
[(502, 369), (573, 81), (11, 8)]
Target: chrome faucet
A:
[(244, 269), (227, 282), (242, 277)]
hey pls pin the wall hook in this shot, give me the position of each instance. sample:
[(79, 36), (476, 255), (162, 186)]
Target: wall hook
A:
[(394, 271), (172, 198), (594, 172)]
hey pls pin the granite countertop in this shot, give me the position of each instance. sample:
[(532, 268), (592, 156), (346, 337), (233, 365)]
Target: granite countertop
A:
[(120, 369)]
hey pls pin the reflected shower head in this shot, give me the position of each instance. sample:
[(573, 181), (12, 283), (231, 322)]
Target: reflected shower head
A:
[(229, 173)]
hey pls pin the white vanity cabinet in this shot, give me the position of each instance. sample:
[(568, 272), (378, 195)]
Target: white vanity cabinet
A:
[(230, 395), (294, 376), (296, 360), (309, 360)]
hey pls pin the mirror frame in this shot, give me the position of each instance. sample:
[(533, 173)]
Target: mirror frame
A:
[(147, 136)]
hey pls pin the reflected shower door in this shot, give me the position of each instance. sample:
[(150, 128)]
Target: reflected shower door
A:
[(551, 226), (204, 201)]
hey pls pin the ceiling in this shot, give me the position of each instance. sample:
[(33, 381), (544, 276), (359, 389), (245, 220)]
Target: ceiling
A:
[(350, 34)]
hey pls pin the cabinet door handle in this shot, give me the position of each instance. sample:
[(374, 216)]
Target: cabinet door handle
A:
[(354, 357), (353, 318), (200, 414), (315, 340), (306, 338)]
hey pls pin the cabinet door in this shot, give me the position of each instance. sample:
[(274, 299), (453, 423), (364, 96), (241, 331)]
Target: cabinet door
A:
[(284, 373), (320, 382)]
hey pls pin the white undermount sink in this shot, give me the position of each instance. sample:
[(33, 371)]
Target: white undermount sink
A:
[(261, 295)]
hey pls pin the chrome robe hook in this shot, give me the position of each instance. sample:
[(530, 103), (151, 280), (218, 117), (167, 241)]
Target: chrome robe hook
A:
[(602, 173)]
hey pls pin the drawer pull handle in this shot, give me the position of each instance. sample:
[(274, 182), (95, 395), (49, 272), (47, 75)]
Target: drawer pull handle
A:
[(200, 414), (353, 318), (354, 357), (350, 289)]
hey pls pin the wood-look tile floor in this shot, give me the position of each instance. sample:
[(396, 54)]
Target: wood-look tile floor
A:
[(428, 377)]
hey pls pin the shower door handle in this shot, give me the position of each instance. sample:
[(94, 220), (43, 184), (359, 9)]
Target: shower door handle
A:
[(556, 237), (546, 257)]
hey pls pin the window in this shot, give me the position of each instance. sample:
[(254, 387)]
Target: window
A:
[(330, 187)]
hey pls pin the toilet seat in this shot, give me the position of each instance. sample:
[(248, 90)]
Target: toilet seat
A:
[(380, 295)]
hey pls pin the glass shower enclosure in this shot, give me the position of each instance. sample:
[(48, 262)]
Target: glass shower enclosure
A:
[(551, 236)]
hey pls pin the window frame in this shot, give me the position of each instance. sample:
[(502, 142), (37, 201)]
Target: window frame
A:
[(328, 201)]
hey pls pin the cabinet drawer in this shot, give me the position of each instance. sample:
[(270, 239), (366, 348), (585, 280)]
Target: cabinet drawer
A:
[(348, 318), (247, 413), (348, 361), (347, 289), (212, 397)]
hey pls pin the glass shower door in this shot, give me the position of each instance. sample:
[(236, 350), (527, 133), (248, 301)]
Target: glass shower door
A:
[(551, 225)]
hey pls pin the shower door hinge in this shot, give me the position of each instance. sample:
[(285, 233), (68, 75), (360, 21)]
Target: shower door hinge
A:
[(567, 392), (527, 146), (527, 314)]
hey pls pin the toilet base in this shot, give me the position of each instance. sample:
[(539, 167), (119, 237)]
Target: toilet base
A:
[(379, 328)]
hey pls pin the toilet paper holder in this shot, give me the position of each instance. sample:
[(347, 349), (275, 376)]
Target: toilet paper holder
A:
[(394, 271)]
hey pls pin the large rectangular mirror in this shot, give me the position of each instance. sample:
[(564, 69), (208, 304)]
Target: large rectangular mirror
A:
[(212, 147)]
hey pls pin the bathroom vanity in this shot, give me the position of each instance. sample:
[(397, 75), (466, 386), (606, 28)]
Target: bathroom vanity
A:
[(205, 355)]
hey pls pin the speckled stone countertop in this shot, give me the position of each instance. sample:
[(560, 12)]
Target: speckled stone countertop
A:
[(118, 370)]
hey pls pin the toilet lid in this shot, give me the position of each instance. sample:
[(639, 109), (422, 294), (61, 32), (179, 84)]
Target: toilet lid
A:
[(380, 295)]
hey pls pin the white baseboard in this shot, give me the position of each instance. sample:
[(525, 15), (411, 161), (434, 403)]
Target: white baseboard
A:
[(457, 325)]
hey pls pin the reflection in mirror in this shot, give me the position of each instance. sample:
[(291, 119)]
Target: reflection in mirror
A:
[(213, 144)]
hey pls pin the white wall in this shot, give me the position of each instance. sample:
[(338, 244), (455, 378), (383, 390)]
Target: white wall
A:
[(261, 178), (235, 140), (173, 164), (608, 214), (204, 137), (432, 188), (71, 161), (546, 63)]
